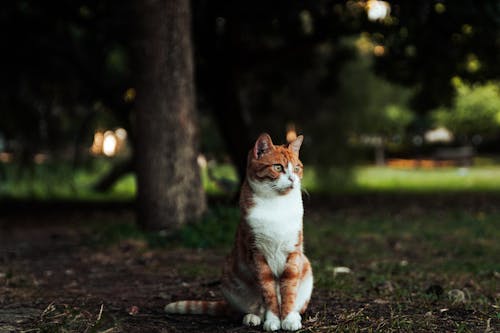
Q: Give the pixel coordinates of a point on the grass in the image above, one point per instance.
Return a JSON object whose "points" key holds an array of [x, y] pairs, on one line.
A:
{"points": [[412, 263], [215, 230], [421, 180], [384, 179], [381, 244], [60, 181], [406, 268], [382, 247]]}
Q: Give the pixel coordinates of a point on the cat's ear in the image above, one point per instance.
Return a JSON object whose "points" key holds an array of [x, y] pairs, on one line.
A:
{"points": [[263, 145], [295, 145]]}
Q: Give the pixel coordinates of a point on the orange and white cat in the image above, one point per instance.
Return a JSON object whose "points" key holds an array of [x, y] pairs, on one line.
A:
{"points": [[266, 277]]}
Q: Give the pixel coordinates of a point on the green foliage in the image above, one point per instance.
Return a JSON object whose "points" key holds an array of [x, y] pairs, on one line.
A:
{"points": [[374, 106], [361, 104], [475, 110], [396, 118]]}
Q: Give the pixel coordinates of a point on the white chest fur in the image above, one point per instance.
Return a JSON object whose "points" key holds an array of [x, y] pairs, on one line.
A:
{"points": [[276, 222]]}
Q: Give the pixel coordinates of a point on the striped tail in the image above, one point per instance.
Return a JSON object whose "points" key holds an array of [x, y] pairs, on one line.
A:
{"points": [[213, 308]]}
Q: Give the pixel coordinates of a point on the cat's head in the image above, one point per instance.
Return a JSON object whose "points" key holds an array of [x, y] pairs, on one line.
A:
{"points": [[274, 170]]}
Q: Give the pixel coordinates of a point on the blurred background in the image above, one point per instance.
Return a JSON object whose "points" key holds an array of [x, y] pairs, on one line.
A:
{"points": [[123, 121], [391, 96], [400, 95]]}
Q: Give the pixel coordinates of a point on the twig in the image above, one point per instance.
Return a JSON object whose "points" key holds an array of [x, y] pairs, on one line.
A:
{"points": [[488, 326], [109, 330], [100, 313], [48, 309]]}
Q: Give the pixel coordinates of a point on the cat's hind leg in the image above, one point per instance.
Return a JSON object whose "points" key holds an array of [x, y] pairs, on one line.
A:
{"points": [[251, 320], [254, 312], [246, 301]]}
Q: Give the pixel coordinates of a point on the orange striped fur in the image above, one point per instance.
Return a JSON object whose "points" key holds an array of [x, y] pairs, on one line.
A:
{"points": [[266, 277], [198, 307]]}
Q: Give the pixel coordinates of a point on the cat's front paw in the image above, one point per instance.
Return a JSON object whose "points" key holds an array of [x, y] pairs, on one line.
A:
{"points": [[272, 322], [292, 322]]}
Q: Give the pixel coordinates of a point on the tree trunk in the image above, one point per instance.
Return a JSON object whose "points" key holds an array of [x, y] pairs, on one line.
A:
{"points": [[170, 192]]}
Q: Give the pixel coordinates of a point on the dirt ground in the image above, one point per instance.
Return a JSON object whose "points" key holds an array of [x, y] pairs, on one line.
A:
{"points": [[53, 280], [49, 282]]}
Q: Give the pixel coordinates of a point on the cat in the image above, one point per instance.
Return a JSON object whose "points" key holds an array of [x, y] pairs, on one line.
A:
{"points": [[266, 277]]}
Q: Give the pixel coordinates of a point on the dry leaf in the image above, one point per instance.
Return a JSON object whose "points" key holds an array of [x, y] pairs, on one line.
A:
{"points": [[133, 310]]}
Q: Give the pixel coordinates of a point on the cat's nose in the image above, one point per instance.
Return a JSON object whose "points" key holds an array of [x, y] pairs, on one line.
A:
{"points": [[290, 178]]}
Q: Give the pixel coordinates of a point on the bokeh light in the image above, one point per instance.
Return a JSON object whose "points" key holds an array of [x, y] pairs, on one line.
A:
{"points": [[377, 10]]}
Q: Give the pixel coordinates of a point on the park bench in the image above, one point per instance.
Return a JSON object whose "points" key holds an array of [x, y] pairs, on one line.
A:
{"points": [[461, 156]]}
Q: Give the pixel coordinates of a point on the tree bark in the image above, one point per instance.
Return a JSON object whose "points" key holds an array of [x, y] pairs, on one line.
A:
{"points": [[170, 192]]}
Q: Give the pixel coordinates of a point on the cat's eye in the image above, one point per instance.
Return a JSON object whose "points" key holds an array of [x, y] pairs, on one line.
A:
{"points": [[278, 167], [296, 168]]}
